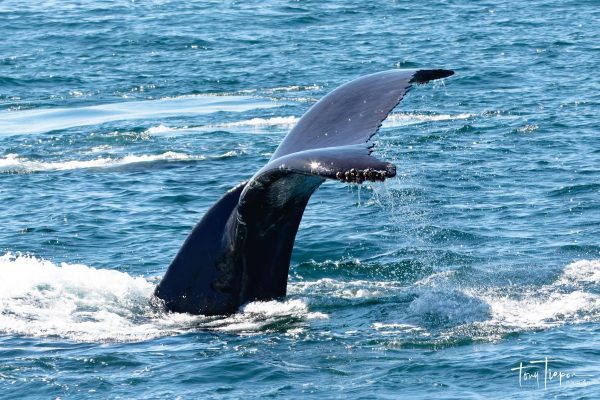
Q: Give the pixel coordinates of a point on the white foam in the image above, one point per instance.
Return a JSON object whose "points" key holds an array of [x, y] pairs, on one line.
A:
{"points": [[98, 149], [396, 328], [78, 302], [39, 298], [9, 161], [528, 128], [539, 309], [342, 289], [254, 123], [255, 316], [231, 153], [439, 301], [154, 130], [15, 163], [563, 301]]}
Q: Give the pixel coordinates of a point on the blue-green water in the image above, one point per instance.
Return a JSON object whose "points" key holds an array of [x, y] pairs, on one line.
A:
{"points": [[122, 122]]}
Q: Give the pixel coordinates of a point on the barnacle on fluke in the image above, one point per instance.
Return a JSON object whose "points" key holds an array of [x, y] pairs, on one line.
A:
{"points": [[368, 174]]}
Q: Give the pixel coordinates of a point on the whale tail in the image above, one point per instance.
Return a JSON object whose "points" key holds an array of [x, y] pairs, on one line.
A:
{"points": [[240, 250]]}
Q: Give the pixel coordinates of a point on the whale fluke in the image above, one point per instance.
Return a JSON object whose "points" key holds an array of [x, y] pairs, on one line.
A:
{"points": [[353, 113], [240, 250]]}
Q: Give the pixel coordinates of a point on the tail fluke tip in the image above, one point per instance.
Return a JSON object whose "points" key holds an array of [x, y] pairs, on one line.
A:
{"points": [[426, 75]]}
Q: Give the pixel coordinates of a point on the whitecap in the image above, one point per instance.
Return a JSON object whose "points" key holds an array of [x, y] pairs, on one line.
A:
{"points": [[154, 130], [12, 163]]}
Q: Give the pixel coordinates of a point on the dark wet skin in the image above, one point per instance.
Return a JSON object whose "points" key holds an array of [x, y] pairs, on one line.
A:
{"points": [[240, 250]]}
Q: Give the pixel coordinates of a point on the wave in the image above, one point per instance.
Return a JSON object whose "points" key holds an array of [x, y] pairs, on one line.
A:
{"points": [[13, 163], [41, 299], [573, 190], [294, 88], [50, 119]]}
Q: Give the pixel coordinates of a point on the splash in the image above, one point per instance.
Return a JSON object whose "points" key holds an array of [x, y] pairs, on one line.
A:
{"points": [[348, 290], [569, 299], [259, 315], [442, 305], [496, 311], [41, 299]]}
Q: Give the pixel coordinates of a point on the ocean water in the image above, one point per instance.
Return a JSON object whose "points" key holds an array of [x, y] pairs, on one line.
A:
{"points": [[474, 273]]}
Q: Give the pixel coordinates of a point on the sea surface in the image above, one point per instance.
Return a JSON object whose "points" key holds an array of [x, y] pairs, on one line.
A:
{"points": [[474, 274]]}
